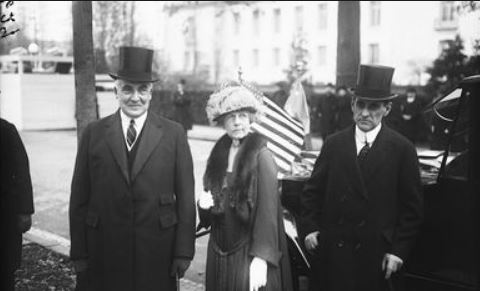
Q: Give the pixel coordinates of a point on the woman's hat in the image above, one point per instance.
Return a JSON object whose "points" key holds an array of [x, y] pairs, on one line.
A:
{"points": [[374, 82], [232, 97], [135, 65]]}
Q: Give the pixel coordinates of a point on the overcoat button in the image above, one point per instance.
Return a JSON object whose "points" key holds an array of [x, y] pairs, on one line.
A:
{"points": [[343, 199], [340, 221], [357, 246], [361, 223], [340, 244]]}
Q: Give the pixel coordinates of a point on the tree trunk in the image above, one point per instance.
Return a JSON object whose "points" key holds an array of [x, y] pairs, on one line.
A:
{"points": [[348, 43], [84, 65]]}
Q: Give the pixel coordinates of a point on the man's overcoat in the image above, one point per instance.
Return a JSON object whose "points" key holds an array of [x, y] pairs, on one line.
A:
{"points": [[131, 223], [362, 213]]}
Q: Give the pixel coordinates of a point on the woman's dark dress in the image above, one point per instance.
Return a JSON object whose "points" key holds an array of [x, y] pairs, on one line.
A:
{"points": [[234, 242]]}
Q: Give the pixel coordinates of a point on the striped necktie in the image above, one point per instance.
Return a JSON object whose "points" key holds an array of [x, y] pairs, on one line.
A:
{"points": [[131, 133], [363, 153]]}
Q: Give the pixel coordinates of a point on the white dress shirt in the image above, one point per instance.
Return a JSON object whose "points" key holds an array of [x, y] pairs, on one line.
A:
{"points": [[139, 122], [361, 137]]}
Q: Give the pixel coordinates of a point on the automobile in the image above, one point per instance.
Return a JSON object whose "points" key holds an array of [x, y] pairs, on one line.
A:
{"points": [[446, 255]]}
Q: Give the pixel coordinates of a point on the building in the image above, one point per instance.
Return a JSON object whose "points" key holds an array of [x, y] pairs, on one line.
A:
{"points": [[216, 38]]}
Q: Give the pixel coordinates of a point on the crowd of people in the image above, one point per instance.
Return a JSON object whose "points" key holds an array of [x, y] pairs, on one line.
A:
{"points": [[132, 209]]}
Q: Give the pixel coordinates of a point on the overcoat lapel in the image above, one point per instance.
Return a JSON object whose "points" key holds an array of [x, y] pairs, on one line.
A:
{"points": [[116, 143], [377, 154], [351, 157], [150, 139]]}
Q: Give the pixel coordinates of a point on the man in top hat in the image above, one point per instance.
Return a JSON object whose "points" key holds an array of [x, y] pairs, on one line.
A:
{"points": [[362, 206], [132, 210]]}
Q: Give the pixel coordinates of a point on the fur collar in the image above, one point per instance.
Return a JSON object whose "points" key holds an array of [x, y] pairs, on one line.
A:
{"points": [[244, 170]]}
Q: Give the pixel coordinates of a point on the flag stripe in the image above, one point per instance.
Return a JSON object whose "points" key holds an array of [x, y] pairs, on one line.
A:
{"points": [[298, 139], [278, 150], [273, 136], [274, 107], [285, 122]]}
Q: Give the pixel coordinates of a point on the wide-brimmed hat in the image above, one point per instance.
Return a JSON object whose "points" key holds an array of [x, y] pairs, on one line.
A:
{"points": [[232, 97], [135, 65], [374, 82]]}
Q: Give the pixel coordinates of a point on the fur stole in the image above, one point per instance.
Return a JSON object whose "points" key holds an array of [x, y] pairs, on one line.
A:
{"points": [[243, 189]]}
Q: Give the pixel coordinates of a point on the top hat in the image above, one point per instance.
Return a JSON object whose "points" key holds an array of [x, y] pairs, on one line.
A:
{"points": [[373, 83], [135, 65]]}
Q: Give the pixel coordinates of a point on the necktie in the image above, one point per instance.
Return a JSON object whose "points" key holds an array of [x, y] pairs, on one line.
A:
{"points": [[363, 153], [131, 133]]}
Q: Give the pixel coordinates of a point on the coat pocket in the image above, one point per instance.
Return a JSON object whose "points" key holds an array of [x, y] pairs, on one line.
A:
{"points": [[168, 213], [92, 220]]}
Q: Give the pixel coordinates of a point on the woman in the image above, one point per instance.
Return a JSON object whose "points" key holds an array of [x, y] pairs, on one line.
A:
{"points": [[247, 249]]}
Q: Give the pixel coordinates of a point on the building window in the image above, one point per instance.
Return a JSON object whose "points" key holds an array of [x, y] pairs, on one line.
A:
{"points": [[277, 13], [256, 22], [374, 13], [322, 55], [186, 60], [236, 23], [448, 11], [236, 58], [374, 53], [276, 57], [299, 18], [322, 16], [255, 57]]}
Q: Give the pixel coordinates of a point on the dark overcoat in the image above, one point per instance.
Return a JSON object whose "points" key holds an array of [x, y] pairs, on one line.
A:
{"points": [[362, 214], [130, 224], [16, 194]]}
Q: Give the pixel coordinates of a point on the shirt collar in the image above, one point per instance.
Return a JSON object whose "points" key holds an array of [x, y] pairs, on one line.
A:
{"points": [[139, 121], [369, 136]]}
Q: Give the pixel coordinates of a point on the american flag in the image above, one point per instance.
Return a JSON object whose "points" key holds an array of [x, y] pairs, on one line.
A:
{"points": [[285, 135]]}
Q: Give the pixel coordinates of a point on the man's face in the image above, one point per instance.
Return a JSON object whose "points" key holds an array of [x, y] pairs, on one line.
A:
{"points": [[133, 98], [368, 114]]}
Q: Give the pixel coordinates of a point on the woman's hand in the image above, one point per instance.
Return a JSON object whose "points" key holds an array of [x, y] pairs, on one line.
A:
{"points": [[206, 200], [258, 274]]}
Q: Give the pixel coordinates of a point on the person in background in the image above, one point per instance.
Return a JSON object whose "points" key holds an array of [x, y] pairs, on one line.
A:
{"points": [[247, 249], [181, 102], [326, 111], [343, 113], [16, 201], [410, 111]]}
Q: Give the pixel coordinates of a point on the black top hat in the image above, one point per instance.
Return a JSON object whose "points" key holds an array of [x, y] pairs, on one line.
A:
{"points": [[135, 65], [373, 83]]}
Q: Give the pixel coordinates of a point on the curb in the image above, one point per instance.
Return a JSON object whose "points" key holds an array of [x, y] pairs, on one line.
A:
{"points": [[61, 245]]}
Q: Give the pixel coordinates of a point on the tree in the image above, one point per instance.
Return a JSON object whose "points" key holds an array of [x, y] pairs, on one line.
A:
{"points": [[348, 43], [451, 67], [84, 65], [114, 26]]}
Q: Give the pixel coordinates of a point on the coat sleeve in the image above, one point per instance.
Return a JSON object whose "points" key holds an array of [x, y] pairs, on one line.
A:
{"points": [[21, 175], [184, 190], [410, 211], [265, 244], [313, 195], [79, 200]]}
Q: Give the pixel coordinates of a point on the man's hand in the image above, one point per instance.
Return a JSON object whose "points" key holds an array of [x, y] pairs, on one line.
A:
{"points": [[258, 274], [179, 266], [24, 222], [206, 200], [311, 241], [391, 264]]}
